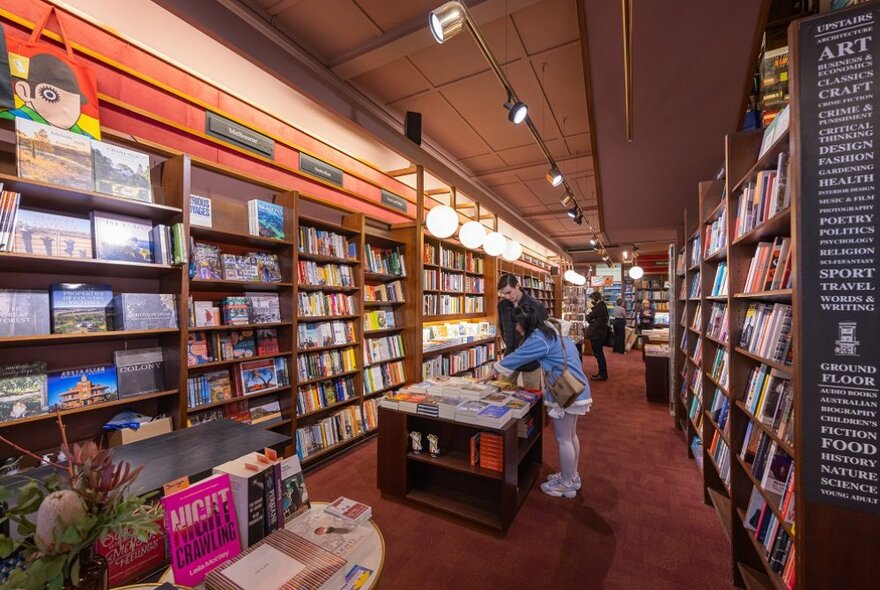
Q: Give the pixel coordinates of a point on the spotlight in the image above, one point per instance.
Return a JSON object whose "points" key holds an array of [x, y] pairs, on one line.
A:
{"points": [[567, 199], [625, 254], [447, 21], [593, 242], [574, 212], [516, 111], [554, 176]]}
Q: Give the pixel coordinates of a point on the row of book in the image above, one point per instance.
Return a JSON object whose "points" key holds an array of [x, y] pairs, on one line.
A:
{"points": [[769, 463], [210, 263], [760, 200], [325, 363], [487, 451], [29, 389], [698, 316], [475, 285], [721, 454], [694, 292], [384, 376], [203, 348], [696, 251], [320, 334], [321, 242], [697, 355], [770, 268], [347, 423], [389, 261], [458, 362], [249, 378], [9, 201], [262, 410], [82, 308], [719, 322], [719, 285], [386, 348], [380, 319], [392, 292], [326, 304], [313, 397], [778, 546], [769, 397], [451, 304], [454, 333], [715, 234], [719, 370], [331, 275], [243, 310], [535, 283], [767, 331], [720, 410]]}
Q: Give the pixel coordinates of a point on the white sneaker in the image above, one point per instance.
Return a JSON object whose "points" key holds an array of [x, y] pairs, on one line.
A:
{"points": [[555, 478], [559, 489]]}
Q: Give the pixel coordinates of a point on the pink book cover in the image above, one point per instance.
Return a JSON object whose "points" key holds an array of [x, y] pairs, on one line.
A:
{"points": [[202, 529]]}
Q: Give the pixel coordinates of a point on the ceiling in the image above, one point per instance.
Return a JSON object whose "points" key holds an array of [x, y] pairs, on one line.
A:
{"points": [[689, 83]]}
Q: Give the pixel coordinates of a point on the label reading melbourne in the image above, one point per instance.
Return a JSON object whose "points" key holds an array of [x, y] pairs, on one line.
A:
{"points": [[239, 135], [320, 169], [393, 201], [837, 249]]}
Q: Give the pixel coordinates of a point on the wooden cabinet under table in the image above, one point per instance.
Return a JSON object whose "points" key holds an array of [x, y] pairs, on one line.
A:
{"points": [[449, 483]]}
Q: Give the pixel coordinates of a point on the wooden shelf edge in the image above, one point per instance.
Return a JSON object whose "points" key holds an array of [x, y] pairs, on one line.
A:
{"points": [[722, 507], [83, 409]]}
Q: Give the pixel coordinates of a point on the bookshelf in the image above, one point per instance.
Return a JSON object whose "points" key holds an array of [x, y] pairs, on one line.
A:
{"points": [[536, 281], [678, 327]]}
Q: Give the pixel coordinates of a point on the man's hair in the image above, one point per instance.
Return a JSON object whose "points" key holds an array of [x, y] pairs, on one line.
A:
{"points": [[533, 318], [620, 301], [507, 280], [46, 68], [596, 296]]}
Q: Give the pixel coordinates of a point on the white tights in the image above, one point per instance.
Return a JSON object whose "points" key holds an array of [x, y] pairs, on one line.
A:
{"points": [[569, 445]]}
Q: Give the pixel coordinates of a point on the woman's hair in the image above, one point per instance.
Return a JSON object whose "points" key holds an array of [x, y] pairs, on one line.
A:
{"points": [[533, 318], [620, 301], [596, 296]]}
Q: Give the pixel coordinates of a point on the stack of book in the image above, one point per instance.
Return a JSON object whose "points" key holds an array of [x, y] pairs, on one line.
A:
{"points": [[761, 200], [326, 243], [770, 268], [392, 291], [266, 219], [387, 261]]}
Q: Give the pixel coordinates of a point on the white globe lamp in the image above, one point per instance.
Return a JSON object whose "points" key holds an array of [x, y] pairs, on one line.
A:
{"points": [[442, 221], [570, 275], [495, 243], [636, 272], [580, 280], [512, 252], [472, 234]]}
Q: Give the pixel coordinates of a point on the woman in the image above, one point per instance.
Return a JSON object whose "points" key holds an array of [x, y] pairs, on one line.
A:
{"points": [[618, 321], [543, 343], [646, 316], [597, 331]]}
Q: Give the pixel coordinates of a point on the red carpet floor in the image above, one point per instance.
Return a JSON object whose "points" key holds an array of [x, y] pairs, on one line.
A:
{"points": [[638, 523]]}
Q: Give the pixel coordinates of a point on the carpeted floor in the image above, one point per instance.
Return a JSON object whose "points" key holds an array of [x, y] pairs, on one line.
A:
{"points": [[638, 523]]}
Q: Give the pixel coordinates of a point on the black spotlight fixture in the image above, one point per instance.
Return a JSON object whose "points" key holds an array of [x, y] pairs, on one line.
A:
{"points": [[579, 218], [517, 111], [574, 212]]}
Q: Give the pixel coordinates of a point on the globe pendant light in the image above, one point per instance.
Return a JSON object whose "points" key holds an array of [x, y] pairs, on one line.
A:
{"points": [[580, 280], [495, 243], [570, 275], [512, 252], [636, 272], [442, 221], [472, 234]]}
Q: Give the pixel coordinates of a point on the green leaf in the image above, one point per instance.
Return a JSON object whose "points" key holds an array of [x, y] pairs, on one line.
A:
{"points": [[71, 536], [74, 570], [7, 546]]}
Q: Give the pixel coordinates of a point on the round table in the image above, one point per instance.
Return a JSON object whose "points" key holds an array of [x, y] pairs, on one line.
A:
{"points": [[373, 557]]}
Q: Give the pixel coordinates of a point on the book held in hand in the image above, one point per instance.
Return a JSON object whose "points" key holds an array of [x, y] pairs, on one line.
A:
{"points": [[79, 308], [22, 390], [23, 313], [121, 172], [349, 510], [56, 156], [50, 234]]}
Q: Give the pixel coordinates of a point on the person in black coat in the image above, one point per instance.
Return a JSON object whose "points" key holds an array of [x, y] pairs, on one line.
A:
{"points": [[597, 331]]}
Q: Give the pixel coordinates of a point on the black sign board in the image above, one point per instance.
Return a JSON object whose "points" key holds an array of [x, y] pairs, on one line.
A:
{"points": [[320, 169], [238, 135], [837, 249], [394, 201]]}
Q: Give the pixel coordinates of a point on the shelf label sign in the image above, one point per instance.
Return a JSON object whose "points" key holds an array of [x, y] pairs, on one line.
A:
{"points": [[320, 169], [837, 247], [239, 135], [393, 201]]}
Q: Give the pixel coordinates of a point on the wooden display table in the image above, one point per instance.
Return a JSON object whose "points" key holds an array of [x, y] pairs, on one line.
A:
{"points": [[656, 357], [449, 483], [371, 555]]}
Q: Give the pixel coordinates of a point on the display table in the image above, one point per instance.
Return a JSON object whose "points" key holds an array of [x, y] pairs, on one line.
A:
{"points": [[449, 483], [371, 555], [656, 358]]}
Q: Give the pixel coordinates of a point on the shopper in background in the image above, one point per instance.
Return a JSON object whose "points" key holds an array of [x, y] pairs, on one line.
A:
{"points": [[646, 316], [542, 344], [618, 321], [597, 331], [512, 296]]}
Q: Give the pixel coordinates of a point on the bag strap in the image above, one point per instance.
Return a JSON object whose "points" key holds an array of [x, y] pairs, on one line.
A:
{"points": [[558, 327], [38, 30]]}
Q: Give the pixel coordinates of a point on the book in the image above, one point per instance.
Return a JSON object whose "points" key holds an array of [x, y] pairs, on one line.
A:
{"points": [[263, 308], [23, 390], [9, 211], [266, 219], [340, 538], [23, 312], [247, 481], [349, 510], [283, 560], [121, 172], [131, 558], [79, 308], [356, 577], [50, 234], [139, 371], [205, 313], [144, 311], [206, 262], [200, 213], [219, 385], [122, 238], [202, 528], [198, 351], [264, 410], [56, 156], [294, 495], [257, 376], [88, 386]]}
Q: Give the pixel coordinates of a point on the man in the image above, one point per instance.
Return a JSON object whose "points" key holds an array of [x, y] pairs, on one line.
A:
{"points": [[512, 296], [597, 330], [618, 319]]}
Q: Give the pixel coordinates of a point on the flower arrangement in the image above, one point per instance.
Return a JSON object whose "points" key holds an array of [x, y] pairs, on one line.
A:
{"points": [[59, 519]]}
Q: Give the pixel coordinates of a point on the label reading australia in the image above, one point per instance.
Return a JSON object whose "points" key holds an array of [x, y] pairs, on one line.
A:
{"points": [[239, 135], [394, 201], [837, 245], [320, 169]]}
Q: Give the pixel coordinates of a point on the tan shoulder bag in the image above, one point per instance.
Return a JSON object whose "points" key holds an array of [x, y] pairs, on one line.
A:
{"points": [[565, 387]]}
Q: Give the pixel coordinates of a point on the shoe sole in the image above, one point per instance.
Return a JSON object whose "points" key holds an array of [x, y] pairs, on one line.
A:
{"points": [[560, 494], [577, 486]]}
